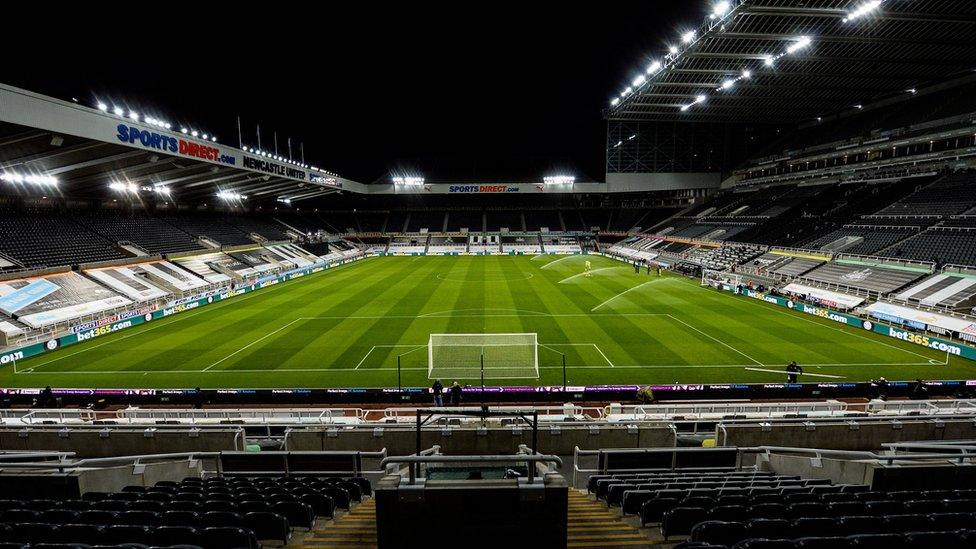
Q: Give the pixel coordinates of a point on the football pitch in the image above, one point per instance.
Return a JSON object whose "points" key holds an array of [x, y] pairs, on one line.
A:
{"points": [[346, 327]]}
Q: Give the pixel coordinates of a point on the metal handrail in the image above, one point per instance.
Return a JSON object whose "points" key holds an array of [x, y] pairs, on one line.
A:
{"points": [[419, 460]]}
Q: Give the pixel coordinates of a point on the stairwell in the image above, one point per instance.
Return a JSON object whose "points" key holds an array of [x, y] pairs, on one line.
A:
{"points": [[353, 530], [593, 524]]}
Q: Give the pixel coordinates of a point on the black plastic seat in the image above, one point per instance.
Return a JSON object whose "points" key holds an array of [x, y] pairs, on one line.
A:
{"points": [[32, 532], [75, 505], [811, 526], [321, 504], [224, 537], [96, 516], [111, 505], [941, 540], [769, 528], [124, 533], [266, 525], [40, 504], [679, 521], [148, 505], [952, 521], [907, 523], [184, 505], [877, 541], [653, 510], [924, 507], [219, 505], [860, 525], [221, 519], [728, 513], [719, 532], [138, 518], [883, 508], [58, 516], [19, 515], [832, 542], [846, 509], [179, 518], [90, 534], [762, 543], [768, 510], [177, 535], [339, 495], [299, 515]]}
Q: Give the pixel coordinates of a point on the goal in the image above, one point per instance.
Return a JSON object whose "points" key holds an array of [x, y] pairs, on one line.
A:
{"points": [[496, 356], [720, 279]]}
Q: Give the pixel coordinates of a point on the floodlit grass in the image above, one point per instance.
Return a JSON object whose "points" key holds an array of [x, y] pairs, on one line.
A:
{"points": [[346, 327]]}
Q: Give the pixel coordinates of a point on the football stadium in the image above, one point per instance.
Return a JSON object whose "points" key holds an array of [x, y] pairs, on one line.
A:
{"points": [[245, 309]]}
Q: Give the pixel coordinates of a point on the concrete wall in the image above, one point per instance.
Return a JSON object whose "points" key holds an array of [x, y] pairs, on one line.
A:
{"points": [[456, 441], [842, 436], [117, 442]]}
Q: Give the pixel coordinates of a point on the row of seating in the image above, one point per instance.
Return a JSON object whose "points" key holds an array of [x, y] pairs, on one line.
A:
{"points": [[634, 502], [594, 483], [79, 534], [615, 492], [897, 531], [681, 520]]}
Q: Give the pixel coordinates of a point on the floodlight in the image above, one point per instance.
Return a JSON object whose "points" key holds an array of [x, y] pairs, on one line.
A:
{"points": [[687, 37], [700, 99], [728, 84], [134, 115], [720, 9], [863, 10], [747, 74], [118, 111], [799, 44], [194, 133], [102, 107], [673, 49], [654, 67], [769, 61]]}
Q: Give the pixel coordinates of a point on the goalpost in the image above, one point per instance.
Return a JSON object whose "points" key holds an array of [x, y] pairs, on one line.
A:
{"points": [[717, 279], [493, 356]]}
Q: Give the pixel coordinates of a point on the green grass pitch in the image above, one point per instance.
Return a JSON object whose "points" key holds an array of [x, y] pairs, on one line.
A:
{"points": [[345, 327]]}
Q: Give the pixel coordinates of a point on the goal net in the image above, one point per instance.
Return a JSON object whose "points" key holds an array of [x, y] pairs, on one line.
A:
{"points": [[502, 356], [720, 279]]}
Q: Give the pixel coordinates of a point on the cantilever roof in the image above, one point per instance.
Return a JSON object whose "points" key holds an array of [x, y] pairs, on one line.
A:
{"points": [[897, 47]]}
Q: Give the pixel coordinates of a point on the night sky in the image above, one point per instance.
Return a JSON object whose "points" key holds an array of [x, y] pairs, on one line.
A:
{"points": [[462, 92]]}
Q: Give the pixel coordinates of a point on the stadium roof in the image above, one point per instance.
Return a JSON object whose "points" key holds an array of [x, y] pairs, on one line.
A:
{"points": [[789, 61], [96, 150]]}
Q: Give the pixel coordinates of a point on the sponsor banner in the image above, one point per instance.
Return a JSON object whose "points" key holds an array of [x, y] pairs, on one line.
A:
{"points": [[921, 319], [54, 316], [31, 293], [825, 297], [262, 164], [166, 142], [924, 340], [128, 319]]}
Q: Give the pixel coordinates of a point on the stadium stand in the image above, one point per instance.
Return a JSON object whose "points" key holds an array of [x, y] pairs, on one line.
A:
{"points": [[947, 289], [38, 238], [496, 220], [208, 226], [140, 228], [859, 275]]}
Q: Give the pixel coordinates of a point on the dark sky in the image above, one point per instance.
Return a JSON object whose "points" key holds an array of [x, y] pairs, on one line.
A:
{"points": [[460, 91]]}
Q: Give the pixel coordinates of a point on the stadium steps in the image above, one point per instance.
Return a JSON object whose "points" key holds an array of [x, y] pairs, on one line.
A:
{"points": [[592, 524], [353, 530]]}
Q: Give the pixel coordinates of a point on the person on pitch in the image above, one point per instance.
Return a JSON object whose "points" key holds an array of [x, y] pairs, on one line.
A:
{"points": [[648, 268], [636, 267], [792, 371], [587, 267], [455, 393]]}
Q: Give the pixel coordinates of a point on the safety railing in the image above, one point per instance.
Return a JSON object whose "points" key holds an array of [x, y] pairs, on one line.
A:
{"points": [[718, 409], [319, 416], [61, 462], [415, 462], [943, 455]]}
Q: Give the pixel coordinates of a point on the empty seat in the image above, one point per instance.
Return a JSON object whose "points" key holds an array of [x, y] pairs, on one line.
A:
{"points": [[821, 543], [266, 525], [119, 534], [237, 538], [57, 516], [860, 525], [221, 518], [769, 528], [298, 514], [97, 517], [907, 523], [177, 535], [719, 532], [79, 533], [680, 520], [877, 541], [940, 540]]}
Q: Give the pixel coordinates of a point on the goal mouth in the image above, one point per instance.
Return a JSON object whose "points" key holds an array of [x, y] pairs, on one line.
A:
{"points": [[483, 356]]}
